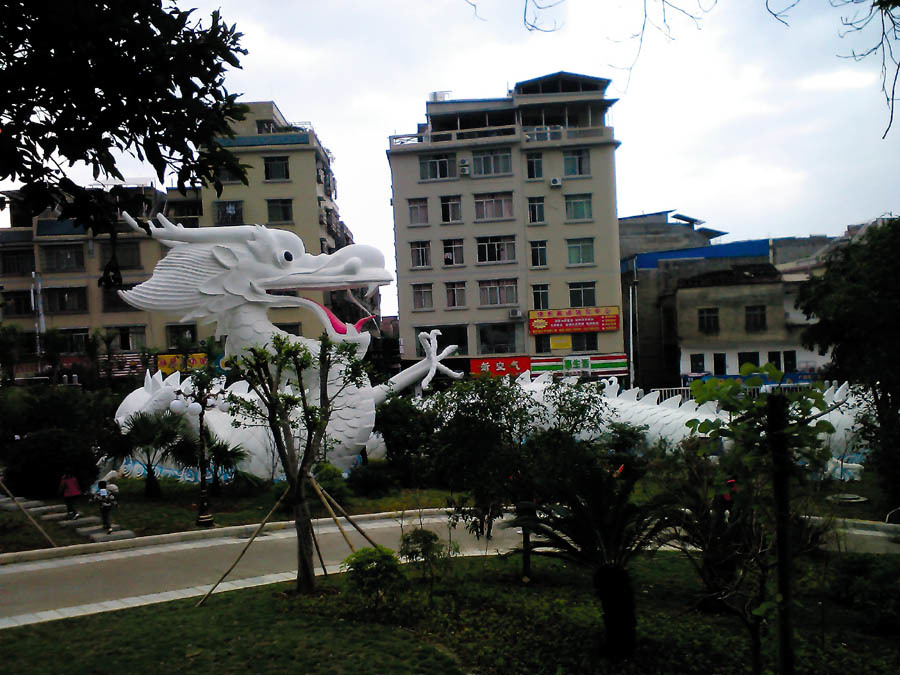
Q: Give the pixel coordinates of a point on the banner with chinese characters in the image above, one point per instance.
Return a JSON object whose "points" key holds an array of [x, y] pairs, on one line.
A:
{"points": [[598, 365], [500, 365], [573, 320], [169, 363]]}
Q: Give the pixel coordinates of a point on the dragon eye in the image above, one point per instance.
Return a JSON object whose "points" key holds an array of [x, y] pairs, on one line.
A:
{"points": [[288, 256]]}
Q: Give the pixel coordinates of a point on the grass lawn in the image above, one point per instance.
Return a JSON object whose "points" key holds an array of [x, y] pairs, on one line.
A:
{"points": [[480, 619]]}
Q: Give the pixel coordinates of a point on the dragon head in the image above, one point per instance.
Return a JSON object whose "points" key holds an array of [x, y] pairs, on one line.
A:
{"points": [[211, 270]]}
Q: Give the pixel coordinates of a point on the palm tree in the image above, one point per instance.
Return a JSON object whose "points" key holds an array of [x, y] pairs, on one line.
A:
{"points": [[151, 437], [222, 455], [586, 515]]}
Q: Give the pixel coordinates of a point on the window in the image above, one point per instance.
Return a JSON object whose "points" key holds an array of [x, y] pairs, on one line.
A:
{"points": [[276, 168], [418, 211], [128, 253], [748, 357], [535, 209], [581, 294], [450, 335], [17, 303], [584, 342], [226, 175], [265, 126], [498, 338], [280, 210], [113, 302], [434, 167], [65, 300], [576, 163], [493, 205], [496, 249], [775, 359], [451, 209], [177, 332], [453, 252], [581, 251], [421, 253], [488, 162], [422, 298], [229, 213], [708, 320], [456, 293], [17, 262], [540, 296], [719, 367], [790, 361], [578, 207], [129, 338], [538, 253], [698, 363], [63, 258], [535, 164], [74, 340], [498, 292], [295, 328], [542, 344], [755, 318]]}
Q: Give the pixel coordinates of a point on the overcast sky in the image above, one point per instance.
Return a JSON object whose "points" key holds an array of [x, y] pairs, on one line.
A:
{"points": [[758, 129]]}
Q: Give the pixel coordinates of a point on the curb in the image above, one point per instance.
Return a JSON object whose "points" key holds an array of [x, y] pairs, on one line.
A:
{"points": [[238, 531], [855, 524]]}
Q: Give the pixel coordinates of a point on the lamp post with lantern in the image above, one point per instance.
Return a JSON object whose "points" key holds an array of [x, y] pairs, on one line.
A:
{"points": [[203, 393]]}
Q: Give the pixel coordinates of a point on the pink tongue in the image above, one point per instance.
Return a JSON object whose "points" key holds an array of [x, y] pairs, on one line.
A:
{"points": [[338, 325]]}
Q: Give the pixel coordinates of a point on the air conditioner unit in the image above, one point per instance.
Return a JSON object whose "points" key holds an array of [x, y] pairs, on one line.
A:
{"points": [[463, 171], [463, 161], [515, 314], [556, 182]]}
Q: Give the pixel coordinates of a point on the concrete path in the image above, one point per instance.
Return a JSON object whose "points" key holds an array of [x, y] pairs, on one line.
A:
{"points": [[49, 589]]}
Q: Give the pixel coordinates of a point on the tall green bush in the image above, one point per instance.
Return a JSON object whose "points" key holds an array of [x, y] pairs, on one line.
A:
{"points": [[35, 463]]}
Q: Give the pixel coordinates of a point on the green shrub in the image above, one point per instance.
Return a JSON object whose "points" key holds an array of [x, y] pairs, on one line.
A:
{"points": [[331, 479], [374, 574], [871, 584], [245, 485], [35, 463], [374, 479]]}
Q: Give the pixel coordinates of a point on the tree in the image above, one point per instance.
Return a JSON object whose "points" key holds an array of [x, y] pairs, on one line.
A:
{"points": [[53, 343], [10, 352], [150, 438], [296, 392], [84, 82], [856, 304], [774, 439], [585, 513]]}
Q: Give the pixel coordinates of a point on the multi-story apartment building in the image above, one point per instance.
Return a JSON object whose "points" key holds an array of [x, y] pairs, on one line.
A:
{"points": [[290, 186], [506, 232]]}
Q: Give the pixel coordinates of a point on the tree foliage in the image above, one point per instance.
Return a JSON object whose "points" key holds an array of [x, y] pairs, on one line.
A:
{"points": [[296, 393], [856, 304], [86, 82], [150, 438]]}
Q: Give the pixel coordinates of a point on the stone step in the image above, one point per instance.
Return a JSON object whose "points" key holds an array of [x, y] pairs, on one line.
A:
{"points": [[4, 500], [84, 521], [115, 536], [95, 529], [9, 506], [49, 508], [58, 515]]}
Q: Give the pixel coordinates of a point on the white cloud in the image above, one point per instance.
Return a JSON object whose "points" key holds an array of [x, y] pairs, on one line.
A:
{"points": [[842, 79]]}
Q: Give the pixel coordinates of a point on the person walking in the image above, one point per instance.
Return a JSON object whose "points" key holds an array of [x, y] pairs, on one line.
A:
{"points": [[106, 500], [70, 490]]}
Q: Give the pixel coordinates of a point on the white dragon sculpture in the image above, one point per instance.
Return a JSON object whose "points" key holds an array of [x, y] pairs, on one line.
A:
{"points": [[226, 276]]}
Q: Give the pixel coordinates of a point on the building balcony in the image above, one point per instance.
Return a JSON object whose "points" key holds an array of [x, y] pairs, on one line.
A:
{"points": [[529, 135]]}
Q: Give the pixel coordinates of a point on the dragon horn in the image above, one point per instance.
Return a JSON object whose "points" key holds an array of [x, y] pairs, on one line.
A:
{"points": [[167, 231]]}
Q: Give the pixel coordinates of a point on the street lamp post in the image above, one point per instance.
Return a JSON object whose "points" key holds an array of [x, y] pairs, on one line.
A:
{"points": [[204, 394]]}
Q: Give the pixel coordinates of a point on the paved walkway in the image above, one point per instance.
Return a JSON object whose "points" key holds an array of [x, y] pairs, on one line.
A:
{"points": [[46, 590]]}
